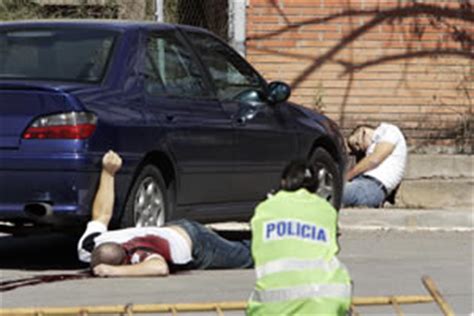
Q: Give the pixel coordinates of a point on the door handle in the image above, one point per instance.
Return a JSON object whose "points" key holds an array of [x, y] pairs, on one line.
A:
{"points": [[241, 121]]}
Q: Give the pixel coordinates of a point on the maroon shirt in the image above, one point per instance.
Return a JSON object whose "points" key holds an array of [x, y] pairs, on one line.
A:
{"points": [[140, 248]]}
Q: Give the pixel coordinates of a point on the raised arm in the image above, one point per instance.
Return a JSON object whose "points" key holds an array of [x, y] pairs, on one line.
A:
{"points": [[103, 205]]}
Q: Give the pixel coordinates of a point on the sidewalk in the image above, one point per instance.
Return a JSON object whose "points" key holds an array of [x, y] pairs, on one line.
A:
{"points": [[406, 219], [452, 220], [436, 194]]}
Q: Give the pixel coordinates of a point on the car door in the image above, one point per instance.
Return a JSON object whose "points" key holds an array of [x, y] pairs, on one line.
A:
{"points": [[264, 143], [198, 133]]}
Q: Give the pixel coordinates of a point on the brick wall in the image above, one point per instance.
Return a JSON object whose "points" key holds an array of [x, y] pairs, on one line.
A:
{"points": [[374, 60]]}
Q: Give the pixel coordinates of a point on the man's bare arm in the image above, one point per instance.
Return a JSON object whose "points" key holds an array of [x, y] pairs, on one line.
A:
{"points": [[151, 267], [381, 152], [103, 205]]}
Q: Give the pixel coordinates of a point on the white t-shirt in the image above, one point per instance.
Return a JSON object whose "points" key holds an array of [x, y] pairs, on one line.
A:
{"points": [[180, 250], [390, 171]]}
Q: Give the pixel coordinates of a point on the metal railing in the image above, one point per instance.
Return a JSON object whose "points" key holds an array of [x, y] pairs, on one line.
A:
{"points": [[220, 307]]}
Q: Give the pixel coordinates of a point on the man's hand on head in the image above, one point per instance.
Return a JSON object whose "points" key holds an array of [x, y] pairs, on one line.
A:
{"points": [[111, 162]]}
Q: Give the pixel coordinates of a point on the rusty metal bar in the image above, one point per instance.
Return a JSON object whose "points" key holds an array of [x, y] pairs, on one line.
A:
{"points": [[354, 312], [438, 298], [191, 307], [128, 310], [219, 311], [173, 310], [396, 306], [386, 300]]}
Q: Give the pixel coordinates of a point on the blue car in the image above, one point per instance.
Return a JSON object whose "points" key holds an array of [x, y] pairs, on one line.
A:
{"points": [[201, 133]]}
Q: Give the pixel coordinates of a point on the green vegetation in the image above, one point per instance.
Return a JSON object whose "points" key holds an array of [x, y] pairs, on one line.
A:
{"points": [[19, 10], [30, 9]]}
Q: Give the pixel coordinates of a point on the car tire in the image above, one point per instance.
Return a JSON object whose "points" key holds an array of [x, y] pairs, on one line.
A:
{"points": [[148, 201], [329, 176]]}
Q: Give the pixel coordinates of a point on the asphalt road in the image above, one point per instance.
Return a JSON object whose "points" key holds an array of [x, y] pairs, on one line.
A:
{"points": [[380, 262]]}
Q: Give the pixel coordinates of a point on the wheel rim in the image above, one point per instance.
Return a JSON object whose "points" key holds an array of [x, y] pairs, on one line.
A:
{"points": [[149, 205], [326, 184]]}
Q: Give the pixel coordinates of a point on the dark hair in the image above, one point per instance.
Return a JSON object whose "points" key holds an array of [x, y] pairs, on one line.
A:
{"points": [[356, 129], [109, 253], [298, 174], [357, 152]]}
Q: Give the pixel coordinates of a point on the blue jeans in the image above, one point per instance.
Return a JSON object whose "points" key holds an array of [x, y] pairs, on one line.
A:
{"points": [[362, 191], [211, 251]]}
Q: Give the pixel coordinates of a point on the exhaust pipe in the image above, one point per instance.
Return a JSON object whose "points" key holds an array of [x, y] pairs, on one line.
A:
{"points": [[38, 209]]}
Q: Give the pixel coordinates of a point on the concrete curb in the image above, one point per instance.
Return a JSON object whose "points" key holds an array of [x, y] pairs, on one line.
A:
{"points": [[437, 182], [406, 219], [366, 219]]}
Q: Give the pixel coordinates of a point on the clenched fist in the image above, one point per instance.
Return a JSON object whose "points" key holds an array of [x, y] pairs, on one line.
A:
{"points": [[111, 162]]}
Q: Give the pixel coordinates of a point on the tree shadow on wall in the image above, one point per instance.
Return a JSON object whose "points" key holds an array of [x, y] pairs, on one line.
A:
{"points": [[455, 22]]}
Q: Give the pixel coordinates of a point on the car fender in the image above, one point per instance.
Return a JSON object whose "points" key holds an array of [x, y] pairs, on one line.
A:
{"points": [[317, 130]]}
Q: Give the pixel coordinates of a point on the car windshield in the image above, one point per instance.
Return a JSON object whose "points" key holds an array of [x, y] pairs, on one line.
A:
{"points": [[60, 54]]}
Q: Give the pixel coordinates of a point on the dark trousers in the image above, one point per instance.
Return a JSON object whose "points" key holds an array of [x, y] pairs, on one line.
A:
{"points": [[211, 251]]}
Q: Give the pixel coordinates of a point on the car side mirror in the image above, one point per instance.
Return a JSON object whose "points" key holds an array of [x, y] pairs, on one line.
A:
{"points": [[278, 92], [251, 97], [252, 102]]}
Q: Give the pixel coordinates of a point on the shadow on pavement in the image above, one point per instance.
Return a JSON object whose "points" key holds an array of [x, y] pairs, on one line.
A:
{"points": [[52, 251]]}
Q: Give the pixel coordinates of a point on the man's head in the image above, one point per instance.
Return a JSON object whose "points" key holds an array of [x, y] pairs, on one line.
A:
{"points": [[298, 175], [109, 253], [360, 138]]}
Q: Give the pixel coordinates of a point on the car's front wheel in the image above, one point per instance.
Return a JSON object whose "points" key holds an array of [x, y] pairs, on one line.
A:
{"points": [[147, 203], [329, 177]]}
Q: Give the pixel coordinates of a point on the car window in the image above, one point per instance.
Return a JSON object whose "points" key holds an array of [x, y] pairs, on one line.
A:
{"points": [[230, 73], [60, 54], [170, 68]]}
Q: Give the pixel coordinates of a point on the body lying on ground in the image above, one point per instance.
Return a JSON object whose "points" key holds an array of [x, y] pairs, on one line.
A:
{"points": [[151, 251]]}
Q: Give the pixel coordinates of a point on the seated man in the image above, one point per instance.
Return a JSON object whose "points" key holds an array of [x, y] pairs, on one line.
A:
{"points": [[151, 251], [380, 170]]}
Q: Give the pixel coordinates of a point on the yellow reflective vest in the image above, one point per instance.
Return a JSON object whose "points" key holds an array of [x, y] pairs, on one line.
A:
{"points": [[294, 249]]}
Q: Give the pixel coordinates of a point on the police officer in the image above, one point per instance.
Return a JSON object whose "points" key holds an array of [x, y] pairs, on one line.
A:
{"points": [[294, 248]]}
